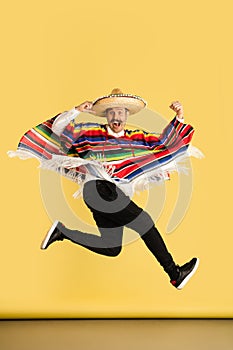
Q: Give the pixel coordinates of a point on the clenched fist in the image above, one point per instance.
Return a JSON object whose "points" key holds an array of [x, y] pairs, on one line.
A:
{"points": [[177, 107], [86, 107]]}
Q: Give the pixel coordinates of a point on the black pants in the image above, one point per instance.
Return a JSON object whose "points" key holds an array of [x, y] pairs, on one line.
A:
{"points": [[112, 210]]}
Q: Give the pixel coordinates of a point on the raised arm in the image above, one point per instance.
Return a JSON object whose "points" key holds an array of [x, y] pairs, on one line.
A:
{"points": [[175, 134], [66, 117]]}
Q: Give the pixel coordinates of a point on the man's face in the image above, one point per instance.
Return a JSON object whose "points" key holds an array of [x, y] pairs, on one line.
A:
{"points": [[116, 118]]}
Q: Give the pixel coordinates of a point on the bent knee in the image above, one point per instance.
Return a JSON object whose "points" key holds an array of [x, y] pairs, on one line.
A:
{"points": [[113, 252], [142, 223]]}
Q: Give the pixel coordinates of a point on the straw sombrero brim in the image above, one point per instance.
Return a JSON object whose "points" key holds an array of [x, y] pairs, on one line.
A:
{"points": [[132, 102]]}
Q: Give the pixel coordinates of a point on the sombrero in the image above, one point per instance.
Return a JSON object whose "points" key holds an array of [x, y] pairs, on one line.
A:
{"points": [[117, 98]]}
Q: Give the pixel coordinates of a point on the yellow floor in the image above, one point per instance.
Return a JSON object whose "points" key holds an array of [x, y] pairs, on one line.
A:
{"points": [[116, 334]]}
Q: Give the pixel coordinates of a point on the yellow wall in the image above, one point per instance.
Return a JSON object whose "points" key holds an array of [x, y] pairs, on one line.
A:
{"points": [[56, 54]]}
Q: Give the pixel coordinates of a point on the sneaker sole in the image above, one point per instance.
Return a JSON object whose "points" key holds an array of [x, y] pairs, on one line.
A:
{"points": [[48, 235], [187, 278]]}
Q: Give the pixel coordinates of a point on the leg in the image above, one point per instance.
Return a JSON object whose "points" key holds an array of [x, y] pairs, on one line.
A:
{"points": [[109, 243], [111, 220], [124, 212], [144, 226]]}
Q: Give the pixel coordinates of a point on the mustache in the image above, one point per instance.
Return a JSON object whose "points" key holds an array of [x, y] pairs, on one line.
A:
{"points": [[116, 120]]}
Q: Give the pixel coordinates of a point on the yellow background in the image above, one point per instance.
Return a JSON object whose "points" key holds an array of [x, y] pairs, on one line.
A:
{"points": [[57, 54]]}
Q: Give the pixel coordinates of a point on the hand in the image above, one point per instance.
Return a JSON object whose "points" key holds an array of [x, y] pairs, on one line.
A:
{"points": [[177, 107], [86, 107]]}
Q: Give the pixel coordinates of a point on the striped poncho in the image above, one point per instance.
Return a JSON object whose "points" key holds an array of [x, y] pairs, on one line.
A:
{"points": [[86, 150]]}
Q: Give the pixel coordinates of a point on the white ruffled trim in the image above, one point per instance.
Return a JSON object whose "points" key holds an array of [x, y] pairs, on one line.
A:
{"points": [[98, 169], [22, 154], [193, 151]]}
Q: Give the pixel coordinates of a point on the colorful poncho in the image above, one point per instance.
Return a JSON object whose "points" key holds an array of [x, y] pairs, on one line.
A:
{"points": [[85, 151]]}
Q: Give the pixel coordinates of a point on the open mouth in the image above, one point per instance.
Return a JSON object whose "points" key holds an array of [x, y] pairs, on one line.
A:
{"points": [[116, 124]]}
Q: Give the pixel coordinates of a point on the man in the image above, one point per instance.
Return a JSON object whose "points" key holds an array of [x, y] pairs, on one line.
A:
{"points": [[112, 161]]}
